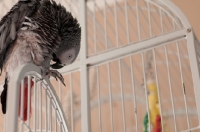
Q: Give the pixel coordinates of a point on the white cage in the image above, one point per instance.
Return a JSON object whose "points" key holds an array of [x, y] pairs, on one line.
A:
{"points": [[137, 58]]}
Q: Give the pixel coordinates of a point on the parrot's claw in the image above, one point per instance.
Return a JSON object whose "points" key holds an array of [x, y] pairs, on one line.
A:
{"points": [[44, 72], [56, 75]]}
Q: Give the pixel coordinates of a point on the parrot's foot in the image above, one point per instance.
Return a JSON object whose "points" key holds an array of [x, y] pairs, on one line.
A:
{"points": [[56, 74], [44, 72]]}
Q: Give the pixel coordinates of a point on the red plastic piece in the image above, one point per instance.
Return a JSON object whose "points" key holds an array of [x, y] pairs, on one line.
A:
{"points": [[25, 107], [158, 124]]}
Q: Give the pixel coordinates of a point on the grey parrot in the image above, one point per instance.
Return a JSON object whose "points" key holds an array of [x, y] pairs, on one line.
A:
{"points": [[37, 31]]}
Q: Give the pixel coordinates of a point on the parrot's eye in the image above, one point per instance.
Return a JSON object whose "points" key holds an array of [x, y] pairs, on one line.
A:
{"points": [[70, 56]]}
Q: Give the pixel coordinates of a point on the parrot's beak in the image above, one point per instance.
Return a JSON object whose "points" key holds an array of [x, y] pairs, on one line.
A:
{"points": [[57, 65]]}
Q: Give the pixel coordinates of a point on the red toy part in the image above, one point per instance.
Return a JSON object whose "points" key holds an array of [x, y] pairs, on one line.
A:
{"points": [[25, 107], [158, 124]]}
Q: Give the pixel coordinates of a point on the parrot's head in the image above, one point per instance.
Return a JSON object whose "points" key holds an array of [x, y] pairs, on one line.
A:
{"points": [[70, 34]]}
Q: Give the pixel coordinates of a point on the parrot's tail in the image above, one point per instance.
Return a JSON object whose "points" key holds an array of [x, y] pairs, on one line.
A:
{"points": [[25, 104]]}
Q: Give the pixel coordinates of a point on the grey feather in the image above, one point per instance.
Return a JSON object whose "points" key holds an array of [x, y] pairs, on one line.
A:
{"points": [[13, 19], [13, 31]]}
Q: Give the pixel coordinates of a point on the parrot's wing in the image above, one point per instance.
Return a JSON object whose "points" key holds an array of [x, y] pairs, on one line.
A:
{"points": [[11, 23]]}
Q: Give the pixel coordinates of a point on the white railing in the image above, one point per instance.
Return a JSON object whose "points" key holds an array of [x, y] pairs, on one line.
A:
{"points": [[44, 95]]}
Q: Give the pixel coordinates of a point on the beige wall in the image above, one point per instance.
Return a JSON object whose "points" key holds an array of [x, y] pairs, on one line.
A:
{"points": [[191, 8]]}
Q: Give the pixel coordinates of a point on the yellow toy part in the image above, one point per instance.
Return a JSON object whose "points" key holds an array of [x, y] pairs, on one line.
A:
{"points": [[153, 102]]}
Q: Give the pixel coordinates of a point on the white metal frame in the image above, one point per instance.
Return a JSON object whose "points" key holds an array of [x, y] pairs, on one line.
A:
{"points": [[13, 97]]}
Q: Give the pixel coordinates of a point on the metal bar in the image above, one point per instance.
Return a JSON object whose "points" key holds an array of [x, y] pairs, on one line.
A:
{"points": [[83, 23], [40, 107], [72, 103], [85, 101], [134, 94], [99, 102], [35, 101], [85, 94], [127, 21], [46, 112], [105, 25], [138, 20], [94, 24], [161, 21], [138, 47], [122, 95], [183, 86], [116, 23], [110, 96], [29, 100], [56, 127], [22, 106], [145, 87], [170, 87], [182, 81], [149, 15], [158, 88], [50, 114], [4, 128], [127, 50]]}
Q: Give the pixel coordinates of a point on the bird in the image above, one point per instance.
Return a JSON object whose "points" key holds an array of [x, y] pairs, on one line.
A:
{"points": [[38, 32]]}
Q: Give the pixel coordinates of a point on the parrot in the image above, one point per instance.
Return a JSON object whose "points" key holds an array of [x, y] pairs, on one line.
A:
{"points": [[38, 32]]}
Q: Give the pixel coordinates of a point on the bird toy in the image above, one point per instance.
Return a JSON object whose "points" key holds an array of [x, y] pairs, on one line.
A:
{"points": [[155, 119]]}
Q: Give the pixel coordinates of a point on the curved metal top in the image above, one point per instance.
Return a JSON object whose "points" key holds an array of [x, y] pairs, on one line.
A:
{"points": [[175, 10], [13, 95]]}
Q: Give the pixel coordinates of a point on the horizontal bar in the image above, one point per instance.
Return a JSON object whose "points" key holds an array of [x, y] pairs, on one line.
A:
{"points": [[128, 49], [192, 129]]}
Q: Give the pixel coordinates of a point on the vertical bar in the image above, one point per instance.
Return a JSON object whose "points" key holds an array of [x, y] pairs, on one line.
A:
{"points": [[99, 103], [50, 114], [94, 23], [4, 128], [138, 20], [40, 107], [127, 21], [170, 87], [183, 88], [116, 24], [145, 87], [29, 99], [105, 24], [35, 101], [134, 94], [85, 94], [161, 21], [12, 102], [85, 101], [182, 80], [149, 15], [56, 127], [21, 103], [72, 103], [158, 88], [46, 112], [122, 95], [60, 90], [110, 95], [83, 23]]}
